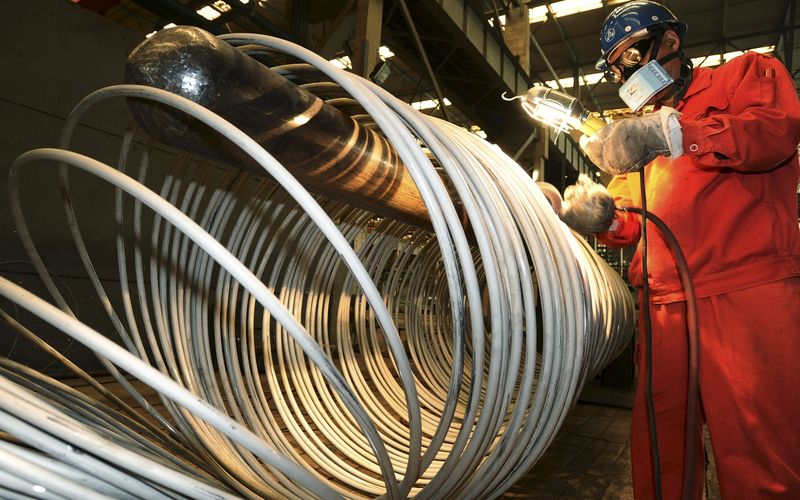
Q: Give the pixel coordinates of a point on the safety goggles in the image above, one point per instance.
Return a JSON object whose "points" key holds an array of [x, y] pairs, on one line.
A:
{"points": [[630, 59]]}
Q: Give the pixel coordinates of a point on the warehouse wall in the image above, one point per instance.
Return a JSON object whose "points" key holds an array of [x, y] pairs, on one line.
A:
{"points": [[55, 53]]}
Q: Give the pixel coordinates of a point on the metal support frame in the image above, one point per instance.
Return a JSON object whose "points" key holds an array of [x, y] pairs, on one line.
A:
{"points": [[788, 45], [424, 57], [546, 62], [723, 43], [729, 40], [470, 20], [517, 35], [525, 144], [574, 56], [785, 46], [267, 26], [298, 27], [367, 41], [341, 29], [182, 14], [179, 14], [420, 80], [566, 145]]}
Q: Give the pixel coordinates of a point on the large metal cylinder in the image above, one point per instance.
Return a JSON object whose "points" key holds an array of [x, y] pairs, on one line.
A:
{"points": [[325, 149]]}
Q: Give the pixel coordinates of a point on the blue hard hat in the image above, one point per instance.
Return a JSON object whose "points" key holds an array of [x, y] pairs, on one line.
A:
{"points": [[630, 18]]}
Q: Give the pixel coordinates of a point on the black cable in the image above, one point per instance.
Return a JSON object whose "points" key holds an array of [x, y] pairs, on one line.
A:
{"points": [[648, 361], [692, 382]]}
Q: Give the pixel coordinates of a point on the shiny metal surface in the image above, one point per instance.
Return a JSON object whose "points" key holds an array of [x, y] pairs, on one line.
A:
{"points": [[325, 148], [303, 347]]}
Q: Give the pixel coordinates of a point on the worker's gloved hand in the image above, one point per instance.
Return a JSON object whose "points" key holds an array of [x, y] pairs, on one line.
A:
{"points": [[628, 145], [588, 206]]}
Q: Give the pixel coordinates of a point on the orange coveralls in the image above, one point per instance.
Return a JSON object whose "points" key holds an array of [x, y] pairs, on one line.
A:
{"points": [[731, 201]]}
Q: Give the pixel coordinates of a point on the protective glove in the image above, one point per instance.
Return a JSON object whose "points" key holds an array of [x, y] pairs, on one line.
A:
{"points": [[628, 145], [588, 207]]}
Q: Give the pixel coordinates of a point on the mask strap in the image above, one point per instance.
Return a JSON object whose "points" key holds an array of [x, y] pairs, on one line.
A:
{"points": [[656, 45], [683, 81], [667, 58]]}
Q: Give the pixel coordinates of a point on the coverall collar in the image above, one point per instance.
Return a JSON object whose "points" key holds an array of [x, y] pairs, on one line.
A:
{"points": [[701, 79]]}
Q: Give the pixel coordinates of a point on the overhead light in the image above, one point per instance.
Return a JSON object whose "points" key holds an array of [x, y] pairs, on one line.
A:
{"points": [[592, 78], [222, 6], [568, 82], [537, 14], [244, 1], [717, 59], [385, 52], [342, 62], [569, 7], [563, 8], [170, 25], [209, 12], [429, 104], [502, 19], [704, 62]]}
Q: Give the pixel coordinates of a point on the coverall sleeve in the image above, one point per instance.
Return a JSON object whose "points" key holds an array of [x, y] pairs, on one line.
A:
{"points": [[627, 230], [761, 128]]}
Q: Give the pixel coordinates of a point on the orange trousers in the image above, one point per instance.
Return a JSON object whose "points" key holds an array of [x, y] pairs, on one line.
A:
{"points": [[749, 394]]}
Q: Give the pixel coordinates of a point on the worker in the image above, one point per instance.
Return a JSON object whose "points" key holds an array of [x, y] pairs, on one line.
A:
{"points": [[719, 157]]}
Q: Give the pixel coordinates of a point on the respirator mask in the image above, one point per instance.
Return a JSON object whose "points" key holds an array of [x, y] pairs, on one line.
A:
{"points": [[642, 82]]}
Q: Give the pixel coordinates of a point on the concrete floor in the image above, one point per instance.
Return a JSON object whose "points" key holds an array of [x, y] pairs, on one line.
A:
{"points": [[590, 459]]}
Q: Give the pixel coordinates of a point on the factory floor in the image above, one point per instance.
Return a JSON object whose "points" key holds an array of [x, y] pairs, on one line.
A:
{"points": [[590, 459]]}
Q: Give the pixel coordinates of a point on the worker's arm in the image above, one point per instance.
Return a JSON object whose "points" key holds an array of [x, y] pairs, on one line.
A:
{"points": [[761, 136], [626, 229], [629, 144]]}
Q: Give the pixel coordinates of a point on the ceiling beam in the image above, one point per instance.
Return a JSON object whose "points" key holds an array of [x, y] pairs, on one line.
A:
{"points": [[367, 40], [712, 41], [787, 37], [178, 13], [723, 44], [341, 29], [576, 82], [424, 56]]}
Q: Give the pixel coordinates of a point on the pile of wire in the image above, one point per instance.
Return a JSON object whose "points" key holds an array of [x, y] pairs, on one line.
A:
{"points": [[300, 347]]}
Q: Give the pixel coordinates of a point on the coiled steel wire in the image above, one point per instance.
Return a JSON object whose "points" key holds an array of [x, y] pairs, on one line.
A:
{"points": [[304, 347]]}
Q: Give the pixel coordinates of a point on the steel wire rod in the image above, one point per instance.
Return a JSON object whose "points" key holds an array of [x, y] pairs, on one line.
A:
{"points": [[298, 346]]}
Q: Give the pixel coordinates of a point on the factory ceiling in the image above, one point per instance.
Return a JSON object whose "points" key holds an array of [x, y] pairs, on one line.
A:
{"points": [[468, 62]]}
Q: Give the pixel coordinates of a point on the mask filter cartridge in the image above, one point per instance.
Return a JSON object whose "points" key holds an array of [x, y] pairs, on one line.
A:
{"points": [[648, 81]]}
